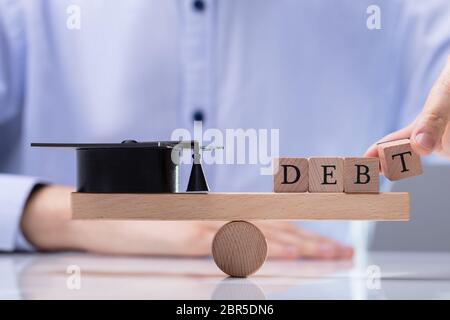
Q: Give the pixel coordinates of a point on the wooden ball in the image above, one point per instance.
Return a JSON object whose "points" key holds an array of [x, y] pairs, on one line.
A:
{"points": [[239, 248]]}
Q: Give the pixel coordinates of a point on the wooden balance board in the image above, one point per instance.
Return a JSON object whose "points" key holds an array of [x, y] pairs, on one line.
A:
{"points": [[239, 248], [391, 206]]}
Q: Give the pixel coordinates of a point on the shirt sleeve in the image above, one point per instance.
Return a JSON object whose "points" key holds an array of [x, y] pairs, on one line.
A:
{"points": [[14, 190], [12, 58]]}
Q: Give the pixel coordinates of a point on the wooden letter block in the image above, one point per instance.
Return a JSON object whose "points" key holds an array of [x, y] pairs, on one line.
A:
{"points": [[361, 175], [290, 175], [326, 174], [398, 160]]}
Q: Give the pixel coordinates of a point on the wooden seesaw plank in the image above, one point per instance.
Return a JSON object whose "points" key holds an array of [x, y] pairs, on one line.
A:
{"points": [[241, 206]]}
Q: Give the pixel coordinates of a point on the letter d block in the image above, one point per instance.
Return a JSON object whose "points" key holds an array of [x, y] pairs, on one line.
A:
{"points": [[398, 160], [326, 174], [361, 175], [290, 175]]}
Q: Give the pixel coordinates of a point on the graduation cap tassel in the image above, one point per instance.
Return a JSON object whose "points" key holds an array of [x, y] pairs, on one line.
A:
{"points": [[197, 180]]}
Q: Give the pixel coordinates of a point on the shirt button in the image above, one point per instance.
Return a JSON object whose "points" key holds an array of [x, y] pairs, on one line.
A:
{"points": [[198, 115], [198, 5]]}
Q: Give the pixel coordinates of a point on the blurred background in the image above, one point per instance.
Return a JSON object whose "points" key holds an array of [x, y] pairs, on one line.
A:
{"points": [[429, 225]]}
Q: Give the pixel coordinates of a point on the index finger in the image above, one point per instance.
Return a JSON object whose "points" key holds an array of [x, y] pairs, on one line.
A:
{"points": [[403, 133]]}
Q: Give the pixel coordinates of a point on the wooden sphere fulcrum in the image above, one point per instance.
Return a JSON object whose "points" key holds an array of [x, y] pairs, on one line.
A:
{"points": [[239, 248]]}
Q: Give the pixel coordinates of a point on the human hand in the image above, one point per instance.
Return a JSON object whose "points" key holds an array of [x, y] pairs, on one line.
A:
{"points": [[430, 131], [194, 239], [47, 224], [287, 241]]}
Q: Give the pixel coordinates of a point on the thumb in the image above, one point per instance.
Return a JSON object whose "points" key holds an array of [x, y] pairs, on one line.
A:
{"points": [[427, 133], [431, 123]]}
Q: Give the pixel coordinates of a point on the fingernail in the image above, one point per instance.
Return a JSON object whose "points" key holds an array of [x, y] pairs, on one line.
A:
{"points": [[347, 252], [425, 140]]}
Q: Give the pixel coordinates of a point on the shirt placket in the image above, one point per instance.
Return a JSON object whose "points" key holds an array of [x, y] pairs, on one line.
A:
{"points": [[197, 87]]}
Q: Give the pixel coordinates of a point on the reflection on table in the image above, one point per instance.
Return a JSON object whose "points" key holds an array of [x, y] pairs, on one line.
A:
{"points": [[55, 276]]}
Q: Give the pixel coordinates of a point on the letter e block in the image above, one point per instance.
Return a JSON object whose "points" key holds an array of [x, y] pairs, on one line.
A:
{"points": [[398, 160], [361, 175], [326, 174], [290, 175]]}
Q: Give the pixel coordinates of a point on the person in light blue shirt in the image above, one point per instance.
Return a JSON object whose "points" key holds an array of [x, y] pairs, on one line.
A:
{"points": [[105, 71]]}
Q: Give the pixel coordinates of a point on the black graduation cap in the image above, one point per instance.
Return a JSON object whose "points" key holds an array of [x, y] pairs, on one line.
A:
{"points": [[134, 167]]}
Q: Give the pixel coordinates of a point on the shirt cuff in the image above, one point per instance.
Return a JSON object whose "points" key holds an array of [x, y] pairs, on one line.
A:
{"points": [[15, 191]]}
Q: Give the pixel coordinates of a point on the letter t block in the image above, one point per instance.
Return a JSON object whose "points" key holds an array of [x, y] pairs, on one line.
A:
{"points": [[398, 160], [290, 175]]}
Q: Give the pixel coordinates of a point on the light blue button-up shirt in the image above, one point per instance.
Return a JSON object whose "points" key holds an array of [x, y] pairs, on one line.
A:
{"points": [[138, 69]]}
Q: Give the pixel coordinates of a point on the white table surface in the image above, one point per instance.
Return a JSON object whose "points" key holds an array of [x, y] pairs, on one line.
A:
{"points": [[403, 275]]}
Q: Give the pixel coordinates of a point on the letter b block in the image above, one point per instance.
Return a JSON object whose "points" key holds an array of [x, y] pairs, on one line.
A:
{"points": [[361, 175], [290, 175], [326, 174], [398, 160]]}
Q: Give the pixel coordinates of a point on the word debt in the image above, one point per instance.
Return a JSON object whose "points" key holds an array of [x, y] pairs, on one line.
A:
{"points": [[351, 175]]}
